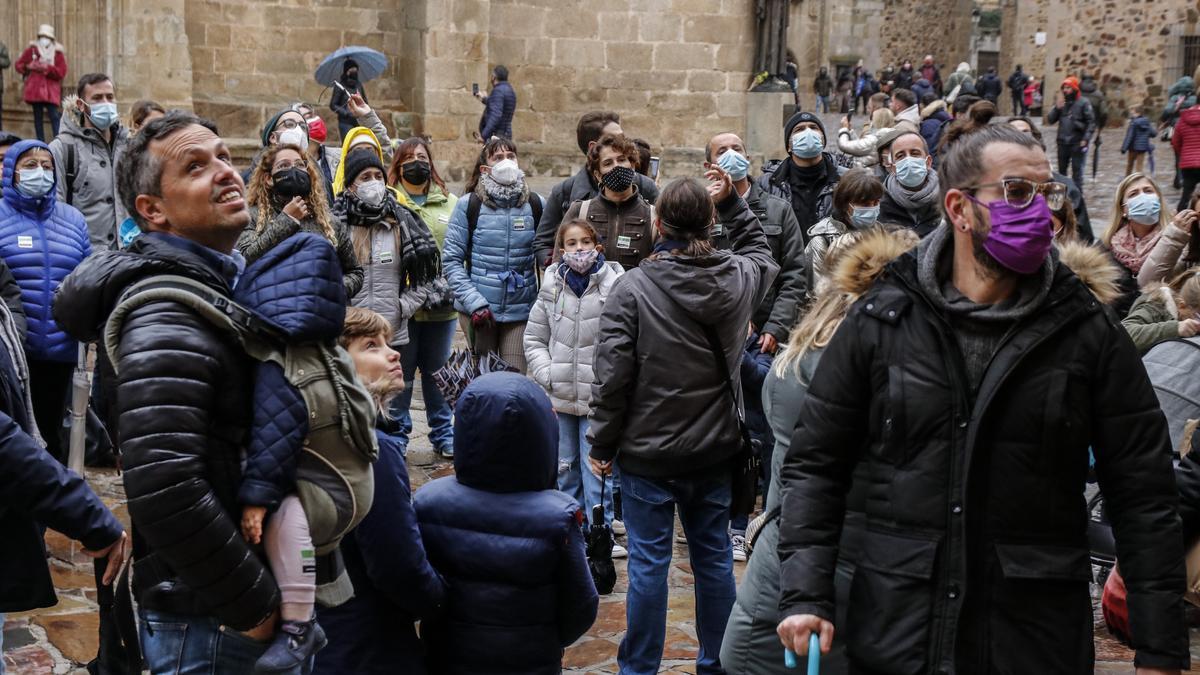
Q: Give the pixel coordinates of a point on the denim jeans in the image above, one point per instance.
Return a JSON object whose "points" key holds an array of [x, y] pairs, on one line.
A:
{"points": [[428, 349], [822, 104], [176, 644], [575, 476], [41, 110], [1074, 158], [649, 509]]}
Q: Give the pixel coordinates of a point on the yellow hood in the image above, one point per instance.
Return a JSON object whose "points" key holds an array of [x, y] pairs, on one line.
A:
{"points": [[339, 177]]}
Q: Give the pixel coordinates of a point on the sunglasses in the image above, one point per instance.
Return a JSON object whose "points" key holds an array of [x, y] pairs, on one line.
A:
{"points": [[1019, 192]]}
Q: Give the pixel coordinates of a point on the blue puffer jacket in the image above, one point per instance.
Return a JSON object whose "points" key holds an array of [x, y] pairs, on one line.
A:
{"points": [[41, 240], [1138, 135], [502, 275], [297, 287], [518, 589]]}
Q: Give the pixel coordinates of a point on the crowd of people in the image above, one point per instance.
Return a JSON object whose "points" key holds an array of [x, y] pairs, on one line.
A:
{"points": [[918, 360]]}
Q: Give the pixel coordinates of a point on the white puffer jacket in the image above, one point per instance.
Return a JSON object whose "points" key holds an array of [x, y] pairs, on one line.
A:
{"points": [[560, 337]]}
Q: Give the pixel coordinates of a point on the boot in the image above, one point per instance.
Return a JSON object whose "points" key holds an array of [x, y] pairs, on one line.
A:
{"points": [[294, 645]]}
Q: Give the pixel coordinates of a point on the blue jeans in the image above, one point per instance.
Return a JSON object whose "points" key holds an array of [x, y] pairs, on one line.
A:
{"points": [[176, 644], [822, 101], [575, 476], [1, 644], [428, 349], [649, 509]]}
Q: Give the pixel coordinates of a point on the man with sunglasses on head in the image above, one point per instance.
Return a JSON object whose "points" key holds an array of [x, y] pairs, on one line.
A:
{"points": [[965, 389]]}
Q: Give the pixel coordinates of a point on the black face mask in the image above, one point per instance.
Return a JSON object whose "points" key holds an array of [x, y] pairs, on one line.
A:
{"points": [[619, 178], [416, 173], [293, 182]]}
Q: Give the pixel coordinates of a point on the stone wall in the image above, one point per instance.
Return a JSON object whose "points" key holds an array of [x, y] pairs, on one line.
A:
{"points": [[911, 29]]}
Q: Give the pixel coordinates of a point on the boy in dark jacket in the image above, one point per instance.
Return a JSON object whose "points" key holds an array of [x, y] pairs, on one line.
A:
{"points": [[1138, 137], [509, 545]]}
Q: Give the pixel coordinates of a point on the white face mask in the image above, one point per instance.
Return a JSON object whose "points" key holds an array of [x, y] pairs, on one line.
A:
{"points": [[506, 172], [371, 192], [45, 42], [297, 136]]}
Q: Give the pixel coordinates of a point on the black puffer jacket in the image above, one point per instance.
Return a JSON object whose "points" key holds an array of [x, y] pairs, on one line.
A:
{"points": [[975, 557], [183, 395], [774, 181]]}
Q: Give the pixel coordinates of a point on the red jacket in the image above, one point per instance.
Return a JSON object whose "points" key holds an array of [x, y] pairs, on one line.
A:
{"points": [[1186, 140], [44, 85]]}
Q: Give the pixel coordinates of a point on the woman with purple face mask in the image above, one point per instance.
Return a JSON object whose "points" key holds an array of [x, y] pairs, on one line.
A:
{"points": [[560, 341]]}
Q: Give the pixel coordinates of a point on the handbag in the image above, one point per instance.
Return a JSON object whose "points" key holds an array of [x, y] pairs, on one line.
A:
{"points": [[746, 464]]}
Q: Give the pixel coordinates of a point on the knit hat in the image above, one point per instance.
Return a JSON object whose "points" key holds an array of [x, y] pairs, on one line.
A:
{"points": [[270, 126], [795, 120], [359, 161], [1072, 82]]}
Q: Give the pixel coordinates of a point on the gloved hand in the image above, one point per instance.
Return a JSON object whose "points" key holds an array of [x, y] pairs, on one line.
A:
{"points": [[482, 319]]}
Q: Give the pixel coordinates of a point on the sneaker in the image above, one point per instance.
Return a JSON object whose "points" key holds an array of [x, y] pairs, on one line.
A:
{"points": [[294, 645], [618, 527], [739, 547], [446, 451], [619, 551]]}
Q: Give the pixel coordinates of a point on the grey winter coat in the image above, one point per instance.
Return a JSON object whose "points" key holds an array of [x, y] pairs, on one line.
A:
{"points": [[94, 190], [560, 337], [780, 309], [382, 272], [654, 373]]}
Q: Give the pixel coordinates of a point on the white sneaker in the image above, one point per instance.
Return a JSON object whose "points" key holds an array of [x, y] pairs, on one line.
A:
{"points": [[739, 547], [618, 527], [619, 551]]}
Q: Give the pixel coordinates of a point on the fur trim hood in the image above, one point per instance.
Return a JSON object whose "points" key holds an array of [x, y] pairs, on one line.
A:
{"points": [[859, 257], [1095, 268], [932, 108]]}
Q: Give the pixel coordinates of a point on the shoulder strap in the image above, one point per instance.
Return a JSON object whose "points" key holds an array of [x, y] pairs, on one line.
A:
{"points": [[474, 204], [718, 354], [72, 171], [535, 205], [583, 208]]}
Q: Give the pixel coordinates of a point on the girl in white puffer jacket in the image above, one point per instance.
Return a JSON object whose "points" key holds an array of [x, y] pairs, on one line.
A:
{"points": [[560, 342]]}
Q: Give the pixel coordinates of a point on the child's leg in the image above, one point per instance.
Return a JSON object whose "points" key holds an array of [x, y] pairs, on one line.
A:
{"points": [[1139, 163], [592, 485], [569, 459], [292, 559]]}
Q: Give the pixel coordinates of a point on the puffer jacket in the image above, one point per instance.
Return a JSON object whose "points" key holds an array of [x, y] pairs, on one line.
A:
{"points": [[577, 188], [94, 191], [1138, 136], [1154, 318], [774, 181], [497, 116], [41, 240], [933, 121], [183, 398], [560, 338], [1076, 121], [779, 310], [643, 403], [1171, 366], [1166, 259], [1186, 139], [254, 244], [42, 86], [1181, 96], [501, 275], [439, 205], [976, 529], [510, 547]]}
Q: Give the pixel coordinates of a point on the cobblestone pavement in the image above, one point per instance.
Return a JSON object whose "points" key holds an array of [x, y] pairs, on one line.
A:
{"points": [[61, 638]]}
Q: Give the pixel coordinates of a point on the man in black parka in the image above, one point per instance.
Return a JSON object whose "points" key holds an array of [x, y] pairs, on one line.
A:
{"points": [[966, 388]]}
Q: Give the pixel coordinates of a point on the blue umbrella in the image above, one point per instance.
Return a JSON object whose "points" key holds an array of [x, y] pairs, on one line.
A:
{"points": [[371, 64]]}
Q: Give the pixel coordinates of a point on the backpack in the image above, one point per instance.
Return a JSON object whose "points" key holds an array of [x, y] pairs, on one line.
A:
{"points": [[334, 480], [474, 204]]}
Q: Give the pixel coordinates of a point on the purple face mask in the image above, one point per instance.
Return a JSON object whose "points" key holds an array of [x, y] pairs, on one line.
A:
{"points": [[1020, 238]]}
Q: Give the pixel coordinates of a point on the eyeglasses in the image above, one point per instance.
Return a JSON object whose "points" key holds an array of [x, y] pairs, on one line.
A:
{"points": [[285, 165], [1019, 192], [288, 123]]}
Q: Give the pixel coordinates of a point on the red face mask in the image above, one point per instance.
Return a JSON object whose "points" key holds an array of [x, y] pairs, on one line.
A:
{"points": [[316, 129]]}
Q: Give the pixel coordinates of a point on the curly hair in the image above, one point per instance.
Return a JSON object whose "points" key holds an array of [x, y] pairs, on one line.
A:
{"points": [[258, 193], [619, 144]]}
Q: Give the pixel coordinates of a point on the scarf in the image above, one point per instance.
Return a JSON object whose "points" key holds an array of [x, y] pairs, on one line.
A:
{"points": [[1132, 252], [925, 196], [12, 341], [420, 261], [577, 282], [503, 196], [46, 55]]}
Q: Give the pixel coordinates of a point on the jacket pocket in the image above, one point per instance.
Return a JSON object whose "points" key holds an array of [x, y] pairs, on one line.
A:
{"points": [[1042, 591], [1043, 562], [891, 603]]}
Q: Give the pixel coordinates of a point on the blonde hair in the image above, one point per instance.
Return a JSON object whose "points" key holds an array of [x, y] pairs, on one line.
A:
{"points": [[1118, 214], [1186, 288], [258, 193], [363, 323], [882, 119]]}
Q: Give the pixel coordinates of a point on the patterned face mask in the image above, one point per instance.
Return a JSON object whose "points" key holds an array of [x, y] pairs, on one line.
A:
{"points": [[582, 261]]}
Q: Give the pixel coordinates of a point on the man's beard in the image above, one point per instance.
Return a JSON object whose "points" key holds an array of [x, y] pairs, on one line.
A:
{"points": [[990, 267]]}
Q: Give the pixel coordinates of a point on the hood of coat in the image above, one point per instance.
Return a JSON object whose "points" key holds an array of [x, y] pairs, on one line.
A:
{"points": [[1095, 268], [505, 435], [72, 125], [857, 259], [1190, 117], [1184, 86], [39, 207], [88, 295], [339, 178], [297, 286], [937, 106]]}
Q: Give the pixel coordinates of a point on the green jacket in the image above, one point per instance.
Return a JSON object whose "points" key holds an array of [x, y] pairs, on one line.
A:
{"points": [[436, 211], [1150, 321]]}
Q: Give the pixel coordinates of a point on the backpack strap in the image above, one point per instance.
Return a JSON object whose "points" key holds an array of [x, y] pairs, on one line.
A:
{"points": [[583, 208], [535, 205], [72, 172], [254, 334], [474, 204]]}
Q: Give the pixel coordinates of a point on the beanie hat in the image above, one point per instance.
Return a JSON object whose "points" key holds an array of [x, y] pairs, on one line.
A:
{"points": [[1072, 82], [795, 120], [360, 160], [270, 126]]}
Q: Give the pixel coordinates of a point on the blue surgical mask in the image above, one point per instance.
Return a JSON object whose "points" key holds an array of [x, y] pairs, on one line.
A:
{"points": [[102, 114], [911, 171], [864, 216], [807, 144], [1144, 209], [735, 164], [35, 183]]}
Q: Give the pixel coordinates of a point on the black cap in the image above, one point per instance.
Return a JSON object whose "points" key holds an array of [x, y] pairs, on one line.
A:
{"points": [[360, 159], [9, 139], [795, 120]]}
